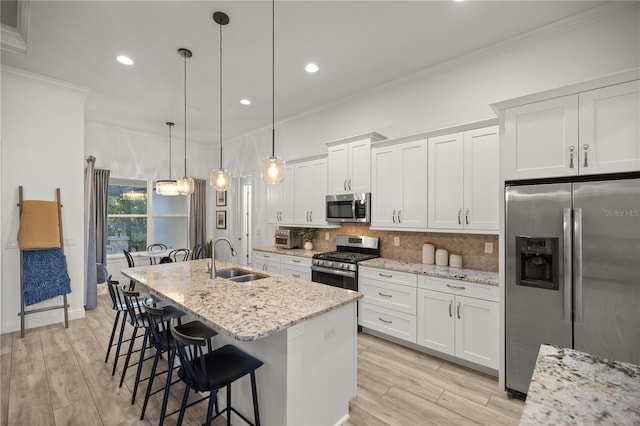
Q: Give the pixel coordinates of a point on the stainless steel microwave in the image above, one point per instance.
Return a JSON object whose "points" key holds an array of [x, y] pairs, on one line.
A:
{"points": [[349, 208]]}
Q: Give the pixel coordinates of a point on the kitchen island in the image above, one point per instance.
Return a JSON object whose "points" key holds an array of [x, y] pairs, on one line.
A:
{"points": [[304, 332], [571, 387]]}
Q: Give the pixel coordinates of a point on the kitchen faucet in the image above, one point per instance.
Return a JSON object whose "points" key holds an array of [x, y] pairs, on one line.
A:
{"points": [[213, 254]]}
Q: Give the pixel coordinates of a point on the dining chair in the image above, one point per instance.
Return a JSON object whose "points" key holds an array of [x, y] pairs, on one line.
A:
{"points": [[196, 252], [155, 248], [118, 305], [129, 258], [179, 255], [209, 371]]}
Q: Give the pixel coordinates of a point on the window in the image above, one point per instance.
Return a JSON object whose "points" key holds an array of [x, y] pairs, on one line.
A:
{"points": [[134, 220], [126, 215]]}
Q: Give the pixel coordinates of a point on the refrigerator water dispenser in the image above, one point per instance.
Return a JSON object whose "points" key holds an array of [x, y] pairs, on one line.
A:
{"points": [[537, 262]]}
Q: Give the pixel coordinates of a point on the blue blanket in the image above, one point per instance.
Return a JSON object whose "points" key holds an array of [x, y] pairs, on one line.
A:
{"points": [[45, 275]]}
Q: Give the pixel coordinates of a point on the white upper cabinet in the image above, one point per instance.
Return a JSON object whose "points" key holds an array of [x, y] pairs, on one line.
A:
{"points": [[609, 129], [588, 128], [541, 139], [280, 199], [349, 164], [310, 191], [463, 180], [399, 185]]}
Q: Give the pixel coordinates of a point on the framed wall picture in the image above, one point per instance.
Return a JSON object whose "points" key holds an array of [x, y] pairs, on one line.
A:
{"points": [[221, 198], [221, 219]]}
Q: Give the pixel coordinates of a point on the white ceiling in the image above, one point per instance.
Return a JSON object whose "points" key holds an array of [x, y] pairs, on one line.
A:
{"points": [[357, 45]]}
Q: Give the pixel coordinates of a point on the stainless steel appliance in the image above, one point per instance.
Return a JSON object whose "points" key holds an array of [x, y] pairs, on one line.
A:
{"points": [[287, 238], [349, 208], [340, 268], [572, 271]]}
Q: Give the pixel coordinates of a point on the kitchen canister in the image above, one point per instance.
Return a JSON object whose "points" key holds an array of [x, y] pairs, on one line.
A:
{"points": [[428, 254], [455, 261], [442, 257]]}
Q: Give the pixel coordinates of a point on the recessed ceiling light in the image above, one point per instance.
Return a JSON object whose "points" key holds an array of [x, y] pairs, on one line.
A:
{"points": [[245, 101], [311, 67], [124, 60]]}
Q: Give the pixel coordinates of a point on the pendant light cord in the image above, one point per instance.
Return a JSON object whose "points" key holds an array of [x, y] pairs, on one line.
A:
{"points": [[185, 115], [169, 149], [220, 97], [273, 78]]}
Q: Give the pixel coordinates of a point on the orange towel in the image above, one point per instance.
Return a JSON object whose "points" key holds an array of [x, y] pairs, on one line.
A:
{"points": [[39, 225]]}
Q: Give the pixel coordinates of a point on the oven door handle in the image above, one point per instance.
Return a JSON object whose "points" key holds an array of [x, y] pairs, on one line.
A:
{"points": [[350, 274]]}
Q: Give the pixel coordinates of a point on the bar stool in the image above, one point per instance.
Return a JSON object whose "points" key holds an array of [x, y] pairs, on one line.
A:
{"points": [[162, 340], [138, 319], [211, 371]]}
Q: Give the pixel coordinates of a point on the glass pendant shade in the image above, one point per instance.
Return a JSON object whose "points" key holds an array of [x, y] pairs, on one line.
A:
{"points": [[166, 187], [220, 179], [272, 170], [185, 186]]}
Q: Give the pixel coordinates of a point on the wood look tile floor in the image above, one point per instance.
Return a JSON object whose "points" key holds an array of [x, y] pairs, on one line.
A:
{"points": [[57, 376]]}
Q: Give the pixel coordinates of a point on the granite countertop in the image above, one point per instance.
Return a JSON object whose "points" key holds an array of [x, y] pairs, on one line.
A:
{"points": [[462, 274], [247, 311], [570, 387], [288, 252]]}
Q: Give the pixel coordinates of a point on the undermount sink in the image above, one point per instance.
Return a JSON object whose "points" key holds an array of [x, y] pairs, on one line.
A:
{"points": [[248, 277], [239, 275], [231, 273]]}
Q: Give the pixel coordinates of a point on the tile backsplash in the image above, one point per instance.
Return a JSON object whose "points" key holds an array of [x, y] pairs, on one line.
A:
{"points": [[470, 246]]}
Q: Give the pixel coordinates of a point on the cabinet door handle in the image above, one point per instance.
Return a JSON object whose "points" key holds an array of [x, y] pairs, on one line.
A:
{"points": [[399, 217], [384, 295], [571, 149], [266, 256], [295, 275], [466, 216], [349, 184], [295, 260], [458, 310], [456, 287], [310, 216], [393, 216], [450, 306], [586, 154], [344, 184], [385, 275], [459, 213], [384, 320]]}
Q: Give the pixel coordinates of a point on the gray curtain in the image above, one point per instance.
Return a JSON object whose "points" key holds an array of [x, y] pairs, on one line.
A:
{"points": [[96, 188], [90, 274], [198, 214], [101, 186]]}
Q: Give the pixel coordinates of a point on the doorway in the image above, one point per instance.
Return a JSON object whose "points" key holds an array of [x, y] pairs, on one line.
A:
{"points": [[245, 188]]}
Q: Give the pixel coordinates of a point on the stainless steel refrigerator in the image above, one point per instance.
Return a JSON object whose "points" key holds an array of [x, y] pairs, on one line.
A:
{"points": [[572, 275]]}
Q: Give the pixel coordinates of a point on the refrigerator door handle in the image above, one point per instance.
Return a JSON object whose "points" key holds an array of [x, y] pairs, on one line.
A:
{"points": [[577, 262], [566, 278]]}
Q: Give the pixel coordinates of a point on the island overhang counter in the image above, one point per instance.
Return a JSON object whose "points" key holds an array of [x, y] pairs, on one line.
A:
{"points": [[304, 332]]}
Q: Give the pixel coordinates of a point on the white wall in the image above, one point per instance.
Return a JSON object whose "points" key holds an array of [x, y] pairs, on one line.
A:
{"points": [[42, 149]]}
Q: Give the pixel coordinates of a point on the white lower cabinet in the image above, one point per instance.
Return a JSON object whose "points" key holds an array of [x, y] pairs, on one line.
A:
{"points": [[459, 319], [297, 267], [389, 303], [268, 262]]}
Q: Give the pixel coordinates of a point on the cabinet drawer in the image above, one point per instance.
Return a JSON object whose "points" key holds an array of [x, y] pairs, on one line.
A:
{"points": [[392, 296], [295, 261], [463, 288], [296, 271], [394, 277], [393, 323], [264, 256]]}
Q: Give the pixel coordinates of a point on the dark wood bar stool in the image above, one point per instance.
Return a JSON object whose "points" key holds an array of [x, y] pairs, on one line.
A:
{"points": [[208, 372]]}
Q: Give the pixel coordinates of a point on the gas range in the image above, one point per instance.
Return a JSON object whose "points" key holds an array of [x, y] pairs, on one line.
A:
{"points": [[340, 268]]}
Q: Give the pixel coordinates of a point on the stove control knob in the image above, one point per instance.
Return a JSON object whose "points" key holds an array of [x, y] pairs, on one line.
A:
{"points": [[345, 266], [328, 263]]}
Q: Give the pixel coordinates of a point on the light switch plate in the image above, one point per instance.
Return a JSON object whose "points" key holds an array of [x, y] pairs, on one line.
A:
{"points": [[488, 247], [396, 241], [326, 236]]}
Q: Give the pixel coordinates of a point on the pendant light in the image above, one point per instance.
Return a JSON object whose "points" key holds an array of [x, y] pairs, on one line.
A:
{"points": [[220, 178], [186, 185], [167, 187], [272, 169]]}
